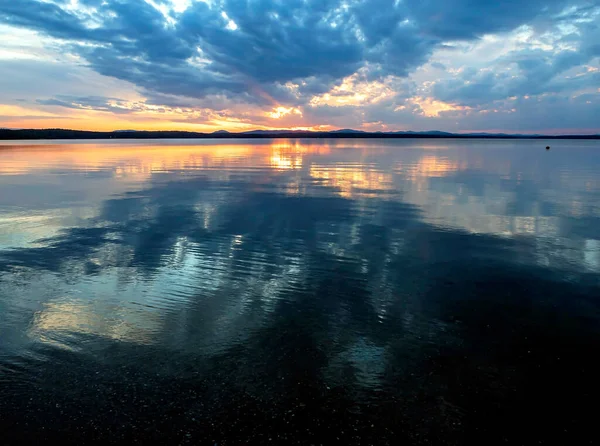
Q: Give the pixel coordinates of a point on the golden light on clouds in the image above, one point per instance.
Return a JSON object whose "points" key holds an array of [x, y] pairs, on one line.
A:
{"points": [[16, 111], [120, 115], [433, 108], [280, 112], [353, 91]]}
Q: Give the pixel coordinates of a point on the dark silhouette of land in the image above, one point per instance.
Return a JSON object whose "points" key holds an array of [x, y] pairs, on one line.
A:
{"points": [[51, 134]]}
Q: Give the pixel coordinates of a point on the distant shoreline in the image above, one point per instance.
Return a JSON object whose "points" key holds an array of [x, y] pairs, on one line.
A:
{"points": [[56, 134]]}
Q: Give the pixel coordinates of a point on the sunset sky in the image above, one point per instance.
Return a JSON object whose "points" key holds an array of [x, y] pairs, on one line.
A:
{"points": [[529, 66]]}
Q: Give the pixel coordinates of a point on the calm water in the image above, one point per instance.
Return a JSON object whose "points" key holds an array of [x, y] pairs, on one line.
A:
{"points": [[300, 292]]}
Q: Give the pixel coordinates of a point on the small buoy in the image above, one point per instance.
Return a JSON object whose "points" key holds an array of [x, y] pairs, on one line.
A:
{"points": [[547, 147]]}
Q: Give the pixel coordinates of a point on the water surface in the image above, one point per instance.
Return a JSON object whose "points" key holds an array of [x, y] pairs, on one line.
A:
{"points": [[299, 291]]}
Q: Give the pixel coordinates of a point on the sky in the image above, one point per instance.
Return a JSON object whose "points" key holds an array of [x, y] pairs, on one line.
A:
{"points": [[520, 66]]}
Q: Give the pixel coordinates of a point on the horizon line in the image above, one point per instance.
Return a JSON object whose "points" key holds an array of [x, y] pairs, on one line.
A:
{"points": [[224, 134]]}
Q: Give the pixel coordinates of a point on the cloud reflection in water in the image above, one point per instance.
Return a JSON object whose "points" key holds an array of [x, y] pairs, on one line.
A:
{"points": [[357, 266]]}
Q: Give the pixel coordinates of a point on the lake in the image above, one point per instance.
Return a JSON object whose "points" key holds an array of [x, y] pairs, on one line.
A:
{"points": [[299, 291]]}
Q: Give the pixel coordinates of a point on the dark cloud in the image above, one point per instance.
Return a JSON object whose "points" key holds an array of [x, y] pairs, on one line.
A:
{"points": [[252, 48], [46, 17], [275, 42], [98, 103], [590, 40], [468, 19]]}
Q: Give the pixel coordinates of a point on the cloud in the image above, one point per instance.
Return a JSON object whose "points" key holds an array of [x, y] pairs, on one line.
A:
{"points": [[543, 114], [236, 46], [97, 103], [468, 19], [522, 73], [300, 54], [546, 62]]}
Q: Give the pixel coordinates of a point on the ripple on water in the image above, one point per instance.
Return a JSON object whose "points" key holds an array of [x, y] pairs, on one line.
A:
{"points": [[366, 292]]}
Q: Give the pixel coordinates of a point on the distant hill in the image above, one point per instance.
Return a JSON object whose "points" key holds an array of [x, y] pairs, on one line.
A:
{"points": [[50, 134], [428, 132], [271, 132], [349, 131]]}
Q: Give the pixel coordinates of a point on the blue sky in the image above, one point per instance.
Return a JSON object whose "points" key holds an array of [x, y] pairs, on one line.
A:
{"points": [[462, 65]]}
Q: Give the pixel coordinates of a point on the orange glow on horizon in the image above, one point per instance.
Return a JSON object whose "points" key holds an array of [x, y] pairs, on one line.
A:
{"points": [[16, 117]]}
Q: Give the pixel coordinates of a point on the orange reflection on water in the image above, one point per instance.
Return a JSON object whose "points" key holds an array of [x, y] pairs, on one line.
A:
{"points": [[142, 159], [280, 160], [366, 180], [289, 154], [125, 159], [429, 166], [353, 179]]}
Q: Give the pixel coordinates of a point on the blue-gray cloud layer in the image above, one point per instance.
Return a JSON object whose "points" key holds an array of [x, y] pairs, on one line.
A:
{"points": [[249, 49]]}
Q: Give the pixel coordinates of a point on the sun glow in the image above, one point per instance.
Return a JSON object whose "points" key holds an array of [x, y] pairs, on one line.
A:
{"points": [[280, 112], [354, 91], [433, 108]]}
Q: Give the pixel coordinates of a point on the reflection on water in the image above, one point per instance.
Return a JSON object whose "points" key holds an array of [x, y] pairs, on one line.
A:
{"points": [[302, 291], [353, 180]]}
